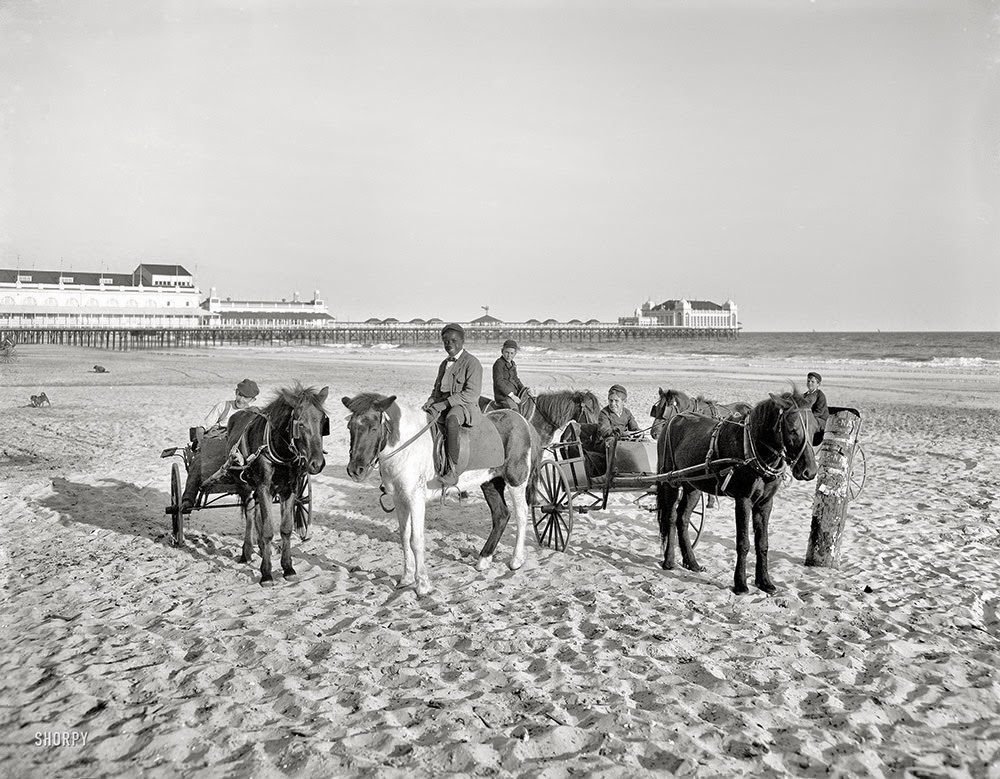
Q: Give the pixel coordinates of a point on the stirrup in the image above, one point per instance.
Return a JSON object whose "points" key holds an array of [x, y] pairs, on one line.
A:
{"points": [[383, 499]]}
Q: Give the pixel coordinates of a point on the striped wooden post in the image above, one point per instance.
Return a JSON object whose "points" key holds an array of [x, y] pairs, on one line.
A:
{"points": [[829, 513]]}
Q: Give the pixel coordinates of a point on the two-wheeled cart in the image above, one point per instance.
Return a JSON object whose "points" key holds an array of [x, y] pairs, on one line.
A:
{"points": [[566, 487], [219, 490]]}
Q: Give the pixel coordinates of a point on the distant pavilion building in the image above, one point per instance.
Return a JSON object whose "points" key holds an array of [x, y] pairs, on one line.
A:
{"points": [[267, 313], [152, 296], [685, 313]]}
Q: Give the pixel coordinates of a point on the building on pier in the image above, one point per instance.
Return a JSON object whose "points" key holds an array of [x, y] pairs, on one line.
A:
{"points": [[267, 313], [152, 296], [684, 313]]}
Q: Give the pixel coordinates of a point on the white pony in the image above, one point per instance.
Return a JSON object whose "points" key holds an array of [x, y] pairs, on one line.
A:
{"points": [[398, 439]]}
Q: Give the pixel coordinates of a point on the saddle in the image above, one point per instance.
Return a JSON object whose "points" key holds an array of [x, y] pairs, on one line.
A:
{"points": [[479, 446]]}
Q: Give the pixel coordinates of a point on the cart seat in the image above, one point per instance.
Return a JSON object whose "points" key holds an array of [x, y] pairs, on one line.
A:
{"points": [[213, 453], [635, 457]]}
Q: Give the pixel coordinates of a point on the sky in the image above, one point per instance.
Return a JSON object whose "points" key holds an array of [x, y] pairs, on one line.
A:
{"points": [[827, 165]]}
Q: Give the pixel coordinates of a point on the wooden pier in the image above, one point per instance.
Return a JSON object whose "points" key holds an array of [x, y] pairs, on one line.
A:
{"points": [[124, 339]]}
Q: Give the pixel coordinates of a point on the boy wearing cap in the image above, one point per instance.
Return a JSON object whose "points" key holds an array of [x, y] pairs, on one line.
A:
{"points": [[215, 428], [615, 420], [507, 387], [456, 393], [819, 408]]}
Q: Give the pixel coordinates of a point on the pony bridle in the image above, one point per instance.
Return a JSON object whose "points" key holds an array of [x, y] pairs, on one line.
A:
{"points": [[782, 453], [297, 456]]}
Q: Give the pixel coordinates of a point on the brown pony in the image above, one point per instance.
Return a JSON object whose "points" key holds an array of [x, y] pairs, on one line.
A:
{"points": [[278, 446], [673, 401], [742, 457], [550, 412]]}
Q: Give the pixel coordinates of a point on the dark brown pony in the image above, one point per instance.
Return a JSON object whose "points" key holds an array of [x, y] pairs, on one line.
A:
{"points": [[741, 457], [278, 444], [673, 401], [550, 412]]}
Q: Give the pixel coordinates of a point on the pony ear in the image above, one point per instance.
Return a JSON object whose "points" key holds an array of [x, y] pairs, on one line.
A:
{"points": [[345, 400], [382, 405], [323, 393]]}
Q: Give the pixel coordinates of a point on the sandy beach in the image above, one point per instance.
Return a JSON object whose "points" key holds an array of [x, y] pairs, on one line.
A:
{"points": [[174, 661]]}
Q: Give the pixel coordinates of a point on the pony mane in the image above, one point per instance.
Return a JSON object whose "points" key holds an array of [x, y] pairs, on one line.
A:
{"points": [[290, 398], [364, 402], [775, 404]]}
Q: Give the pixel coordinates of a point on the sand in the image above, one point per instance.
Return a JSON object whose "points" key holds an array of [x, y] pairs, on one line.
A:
{"points": [[174, 661]]}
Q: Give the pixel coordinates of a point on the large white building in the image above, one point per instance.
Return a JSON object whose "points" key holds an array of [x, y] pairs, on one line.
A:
{"points": [[685, 313], [267, 313], [152, 296]]}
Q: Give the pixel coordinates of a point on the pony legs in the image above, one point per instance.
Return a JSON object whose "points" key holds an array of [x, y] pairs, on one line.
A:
{"points": [[689, 498], [519, 497], [403, 518], [493, 492], [265, 533], [666, 512], [744, 509], [410, 515], [287, 523], [761, 516], [249, 522]]}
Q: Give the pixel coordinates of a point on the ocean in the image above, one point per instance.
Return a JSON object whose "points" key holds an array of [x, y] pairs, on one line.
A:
{"points": [[978, 351]]}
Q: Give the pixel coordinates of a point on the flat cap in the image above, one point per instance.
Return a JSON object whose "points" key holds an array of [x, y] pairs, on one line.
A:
{"points": [[618, 389], [814, 375], [248, 388], [453, 326], [510, 343]]}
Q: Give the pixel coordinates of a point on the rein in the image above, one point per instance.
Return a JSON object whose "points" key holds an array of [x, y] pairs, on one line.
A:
{"points": [[383, 440]]}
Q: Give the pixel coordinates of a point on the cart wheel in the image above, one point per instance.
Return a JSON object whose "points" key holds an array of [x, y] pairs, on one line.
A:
{"points": [[176, 495], [302, 507], [697, 520], [552, 509], [859, 472]]}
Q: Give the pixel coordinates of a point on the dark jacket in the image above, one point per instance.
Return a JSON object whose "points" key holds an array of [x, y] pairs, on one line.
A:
{"points": [[464, 388], [505, 380], [819, 409], [608, 422]]}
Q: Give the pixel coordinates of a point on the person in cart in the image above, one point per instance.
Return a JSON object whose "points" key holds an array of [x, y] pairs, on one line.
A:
{"points": [[215, 432], [615, 420]]}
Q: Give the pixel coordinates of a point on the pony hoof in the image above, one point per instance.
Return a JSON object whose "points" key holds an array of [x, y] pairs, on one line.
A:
{"points": [[767, 587], [289, 573], [269, 582], [243, 558], [667, 566], [694, 567], [424, 588], [741, 589], [483, 563], [406, 581], [515, 563]]}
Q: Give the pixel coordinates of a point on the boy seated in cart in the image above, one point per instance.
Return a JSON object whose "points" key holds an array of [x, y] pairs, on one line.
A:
{"points": [[615, 424], [209, 450]]}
